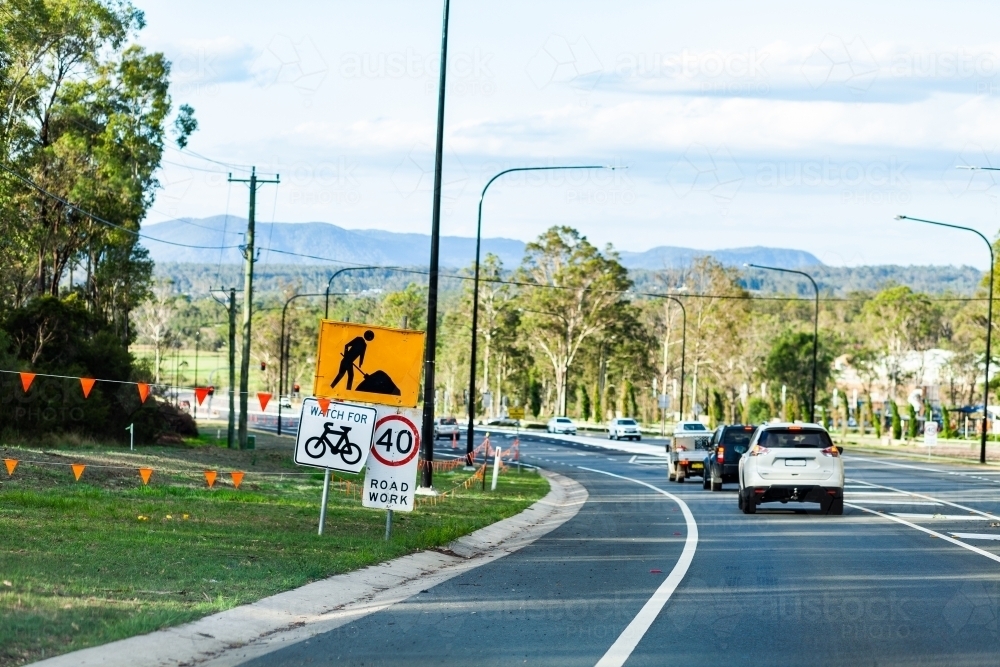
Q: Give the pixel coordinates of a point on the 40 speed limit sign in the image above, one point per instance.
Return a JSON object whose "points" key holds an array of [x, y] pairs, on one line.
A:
{"points": [[391, 475]]}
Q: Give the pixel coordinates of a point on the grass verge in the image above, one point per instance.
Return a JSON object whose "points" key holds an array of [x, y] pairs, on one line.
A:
{"points": [[79, 567]]}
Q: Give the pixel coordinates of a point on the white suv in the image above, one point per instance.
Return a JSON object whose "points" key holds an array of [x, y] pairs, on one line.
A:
{"points": [[792, 462], [623, 428]]}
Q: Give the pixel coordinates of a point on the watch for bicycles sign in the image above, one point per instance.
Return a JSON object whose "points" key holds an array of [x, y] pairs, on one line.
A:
{"points": [[391, 475], [338, 439]]}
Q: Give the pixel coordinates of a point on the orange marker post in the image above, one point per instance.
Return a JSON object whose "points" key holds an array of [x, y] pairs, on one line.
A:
{"points": [[145, 473], [200, 393], [263, 397], [237, 478], [210, 476], [143, 391], [78, 469], [11, 466], [324, 404]]}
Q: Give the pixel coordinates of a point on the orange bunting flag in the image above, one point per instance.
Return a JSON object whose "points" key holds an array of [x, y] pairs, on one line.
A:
{"points": [[87, 384], [237, 478], [324, 404], [145, 473], [11, 466], [210, 476], [78, 470], [200, 393], [26, 380], [143, 391], [263, 397]]}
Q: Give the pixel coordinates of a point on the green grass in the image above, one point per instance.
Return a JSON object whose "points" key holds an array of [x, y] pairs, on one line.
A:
{"points": [[78, 567]]}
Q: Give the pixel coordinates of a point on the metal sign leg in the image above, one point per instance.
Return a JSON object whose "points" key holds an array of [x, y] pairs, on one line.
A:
{"points": [[388, 524], [322, 505]]}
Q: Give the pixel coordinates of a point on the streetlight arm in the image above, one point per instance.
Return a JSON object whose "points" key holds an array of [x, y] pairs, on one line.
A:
{"points": [[812, 406], [989, 317]]}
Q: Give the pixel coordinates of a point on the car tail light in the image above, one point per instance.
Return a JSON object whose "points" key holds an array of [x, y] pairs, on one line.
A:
{"points": [[681, 448], [720, 454], [757, 450], [831, 451], [684, 463]]}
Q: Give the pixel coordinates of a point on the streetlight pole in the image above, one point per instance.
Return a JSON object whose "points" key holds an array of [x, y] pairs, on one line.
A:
{"points": [[470, 436], [284, 348], [812, 402], [989, 317], [684, 328], [326, 308]]}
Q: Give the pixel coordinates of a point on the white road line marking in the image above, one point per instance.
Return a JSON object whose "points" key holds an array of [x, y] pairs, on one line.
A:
{"points": [[890, 501], [944, 537], [926, 497], [977, 536], [631, 635], [940, 472], [939, 517], [632, 460]]}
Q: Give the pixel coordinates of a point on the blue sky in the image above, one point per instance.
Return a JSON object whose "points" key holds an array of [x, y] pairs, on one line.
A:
{"points": [[740, 124]]}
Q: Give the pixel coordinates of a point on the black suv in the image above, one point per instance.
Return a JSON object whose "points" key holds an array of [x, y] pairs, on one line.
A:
{"points": [[728, 445]]}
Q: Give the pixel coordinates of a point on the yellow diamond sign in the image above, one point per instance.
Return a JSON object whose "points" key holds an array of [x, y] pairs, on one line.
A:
{"points": [[361, 362]]}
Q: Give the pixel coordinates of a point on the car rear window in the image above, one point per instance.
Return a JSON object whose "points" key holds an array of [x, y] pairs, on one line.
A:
{"points": [[627, 422], [563, 420], [799, 437], [694, 427], [737, 436], [450, 421]]}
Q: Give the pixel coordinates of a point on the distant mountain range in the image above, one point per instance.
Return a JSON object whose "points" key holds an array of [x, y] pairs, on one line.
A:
{"points": [[321, 242]]}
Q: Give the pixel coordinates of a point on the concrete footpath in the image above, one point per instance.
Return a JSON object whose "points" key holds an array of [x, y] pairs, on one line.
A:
{"points": [[240, 634]]}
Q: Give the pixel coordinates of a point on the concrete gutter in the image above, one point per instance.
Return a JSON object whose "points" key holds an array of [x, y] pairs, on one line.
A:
{"points": [[240, 634]]}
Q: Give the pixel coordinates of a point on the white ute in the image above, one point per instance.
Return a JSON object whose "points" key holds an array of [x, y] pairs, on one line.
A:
{"points": [[792, 462], [687, 450]]}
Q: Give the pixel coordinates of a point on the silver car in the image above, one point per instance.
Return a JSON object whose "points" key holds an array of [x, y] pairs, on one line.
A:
{"points": [[623, 428], [561, 425]]}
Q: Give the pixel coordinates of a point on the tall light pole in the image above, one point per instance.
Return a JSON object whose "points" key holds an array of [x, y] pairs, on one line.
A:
{"points": [[326, 308], [282, 351], [812, 403], [430, 353], [989, 318], [475, 294]]}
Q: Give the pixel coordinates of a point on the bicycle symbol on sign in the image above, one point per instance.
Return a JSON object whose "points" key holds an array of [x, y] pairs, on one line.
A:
{"points": [[317, 445]]}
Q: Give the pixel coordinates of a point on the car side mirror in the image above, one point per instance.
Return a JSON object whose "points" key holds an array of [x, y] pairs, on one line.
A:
{"points": [[840, 450]]}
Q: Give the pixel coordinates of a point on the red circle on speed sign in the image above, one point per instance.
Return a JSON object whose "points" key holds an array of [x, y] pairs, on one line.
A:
{"points": [[405, 443]]}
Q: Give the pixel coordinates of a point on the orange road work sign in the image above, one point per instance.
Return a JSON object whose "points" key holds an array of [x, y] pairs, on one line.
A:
{"points": [[145, 474], [360, 362]]}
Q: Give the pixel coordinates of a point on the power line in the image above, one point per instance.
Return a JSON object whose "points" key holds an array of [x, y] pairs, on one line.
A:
{"points": [[68, 204]]}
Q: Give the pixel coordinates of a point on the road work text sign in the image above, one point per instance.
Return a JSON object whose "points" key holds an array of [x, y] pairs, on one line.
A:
{"points": [[356, 362], [391, 475], [337, 439]]}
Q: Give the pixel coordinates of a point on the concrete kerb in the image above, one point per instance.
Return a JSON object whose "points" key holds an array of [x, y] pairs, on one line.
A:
{"points": [[240, 634]]}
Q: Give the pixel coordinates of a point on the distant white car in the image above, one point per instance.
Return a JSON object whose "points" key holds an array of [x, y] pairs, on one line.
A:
{"points": [[445, 427], [561, 425], [792, 462], [623, 428]]}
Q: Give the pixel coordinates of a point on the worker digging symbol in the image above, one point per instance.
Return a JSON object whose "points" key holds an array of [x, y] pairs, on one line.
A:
{"points": [[353, 355]]}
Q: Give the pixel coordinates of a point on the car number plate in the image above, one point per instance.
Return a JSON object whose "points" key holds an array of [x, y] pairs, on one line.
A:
{"points": [[697, 465], [795, 462]]}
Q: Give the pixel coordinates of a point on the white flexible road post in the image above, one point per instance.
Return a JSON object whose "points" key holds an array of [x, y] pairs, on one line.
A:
{"points": [[496, 469]]}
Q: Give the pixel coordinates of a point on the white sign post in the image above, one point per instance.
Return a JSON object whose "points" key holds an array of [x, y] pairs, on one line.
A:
{"points": [[337, 438], [930, 436], [391, 475]]}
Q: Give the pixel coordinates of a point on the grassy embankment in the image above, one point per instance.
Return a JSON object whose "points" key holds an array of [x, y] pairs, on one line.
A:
{"points": [[91, 561]]}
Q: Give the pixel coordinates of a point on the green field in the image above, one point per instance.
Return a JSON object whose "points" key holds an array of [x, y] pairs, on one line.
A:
{"points": [[105, 558]]}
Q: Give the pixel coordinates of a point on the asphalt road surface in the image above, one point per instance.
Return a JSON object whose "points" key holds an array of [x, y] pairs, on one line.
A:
{"points": [[907, 576]]}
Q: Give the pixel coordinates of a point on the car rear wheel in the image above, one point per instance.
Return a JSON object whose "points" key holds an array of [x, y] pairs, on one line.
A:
{"points": [[716, 483], [749, 504], [739, 499], [704, 482], [835, 507]]}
